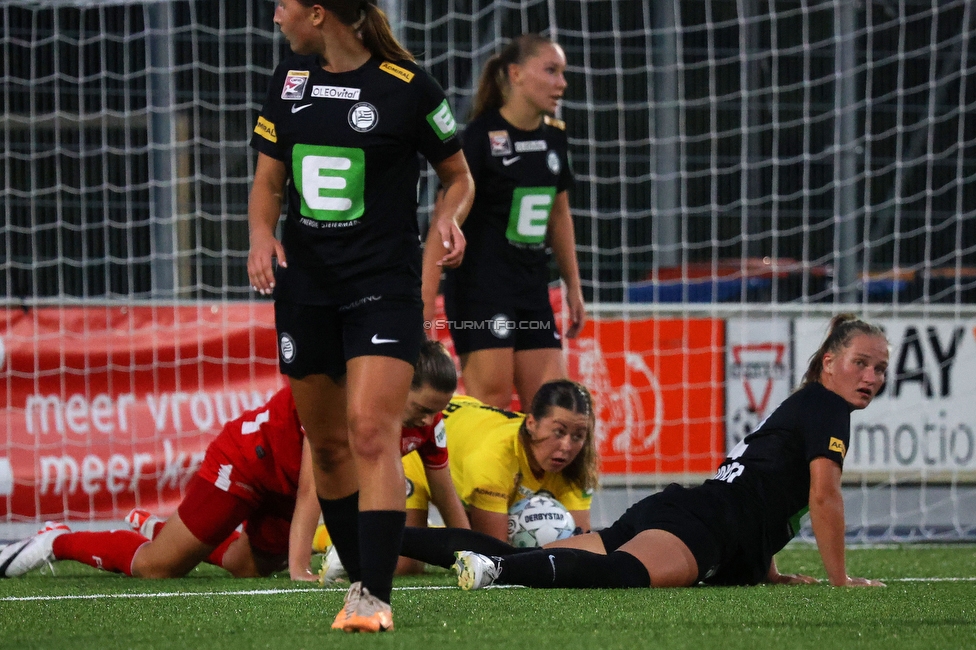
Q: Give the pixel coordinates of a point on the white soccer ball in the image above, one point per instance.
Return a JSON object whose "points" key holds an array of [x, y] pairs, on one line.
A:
{"points": [[538, 520]]}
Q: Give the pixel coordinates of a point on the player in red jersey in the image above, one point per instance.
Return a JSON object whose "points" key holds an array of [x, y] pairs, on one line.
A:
{"points": [[256, 472]]}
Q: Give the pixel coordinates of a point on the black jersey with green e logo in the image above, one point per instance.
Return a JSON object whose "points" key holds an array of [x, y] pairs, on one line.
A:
{"points": [[350, 142], [517, 175]]}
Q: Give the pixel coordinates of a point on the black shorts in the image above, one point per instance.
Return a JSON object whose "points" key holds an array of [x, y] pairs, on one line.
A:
{"points": [[320, 339], [708, 524], [491, 324]]}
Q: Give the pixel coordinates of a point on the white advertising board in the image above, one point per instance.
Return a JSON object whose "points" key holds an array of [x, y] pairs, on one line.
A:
{"points": [[758, 360], [924, 420]]}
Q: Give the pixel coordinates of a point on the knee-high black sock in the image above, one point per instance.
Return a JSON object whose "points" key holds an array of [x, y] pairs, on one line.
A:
{"points": [[573, 568], [341, 517], [437, 545], [380, 535]]}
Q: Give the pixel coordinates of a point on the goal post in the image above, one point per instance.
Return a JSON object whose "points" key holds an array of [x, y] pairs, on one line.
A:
{"points": [[743, 171]]}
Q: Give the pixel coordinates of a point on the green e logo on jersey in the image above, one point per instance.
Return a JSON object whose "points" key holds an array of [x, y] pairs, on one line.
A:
{"points": [[441, 119], [529, 216], [330, 181]]}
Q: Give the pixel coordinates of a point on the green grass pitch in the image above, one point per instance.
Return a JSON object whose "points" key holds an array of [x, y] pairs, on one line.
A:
{"points": [[930, 602]]}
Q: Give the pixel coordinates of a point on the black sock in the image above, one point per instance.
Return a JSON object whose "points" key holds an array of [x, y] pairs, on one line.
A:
{"points": [[437, 545], [341, 517], [380, 535], [573, 568]]}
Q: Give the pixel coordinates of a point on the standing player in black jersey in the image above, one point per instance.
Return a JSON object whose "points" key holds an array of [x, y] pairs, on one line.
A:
{"points": [[497, 300], [339, 134], [727, 530]]}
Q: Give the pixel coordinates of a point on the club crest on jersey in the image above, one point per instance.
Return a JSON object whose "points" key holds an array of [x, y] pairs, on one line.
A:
{"points": [[500, 143], [363, 117], [294, 87], [552, 161]]}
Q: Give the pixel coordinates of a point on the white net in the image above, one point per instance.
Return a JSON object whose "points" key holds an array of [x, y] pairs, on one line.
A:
{"points": [[744, 170]]}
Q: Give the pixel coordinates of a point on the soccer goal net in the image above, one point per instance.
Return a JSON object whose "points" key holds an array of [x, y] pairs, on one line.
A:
{"points": [[744, 170]]}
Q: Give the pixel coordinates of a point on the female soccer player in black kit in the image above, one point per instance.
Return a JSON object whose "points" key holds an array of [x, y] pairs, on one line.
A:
{"points": [[727, 530], [518, 157], [339, 134]]}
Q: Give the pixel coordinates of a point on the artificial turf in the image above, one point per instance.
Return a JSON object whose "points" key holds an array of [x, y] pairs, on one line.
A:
{"points": [[930, 602]]}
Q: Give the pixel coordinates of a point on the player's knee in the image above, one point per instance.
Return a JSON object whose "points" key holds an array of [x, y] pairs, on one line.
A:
{"points": [[331, 454], [372, 437], [156, 570]]}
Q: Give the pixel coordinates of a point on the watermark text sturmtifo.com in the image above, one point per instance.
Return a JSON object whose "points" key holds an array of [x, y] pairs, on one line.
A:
{"points": [[493, 324]]}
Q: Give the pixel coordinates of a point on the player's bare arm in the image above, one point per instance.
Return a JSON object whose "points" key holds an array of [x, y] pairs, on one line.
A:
{"points": [[263, 212], [304, 521], [444, 496], [562, 239]]}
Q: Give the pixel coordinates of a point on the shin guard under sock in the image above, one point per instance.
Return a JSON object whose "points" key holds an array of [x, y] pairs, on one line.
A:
{"points": [[574, 568], [437, 545], [380, 536], [110, 550], [341, 518]]}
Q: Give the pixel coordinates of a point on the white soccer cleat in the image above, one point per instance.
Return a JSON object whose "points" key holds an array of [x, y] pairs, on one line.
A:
{"points": [[332, 571], [26, 555], [475, 571], [143, 522]]}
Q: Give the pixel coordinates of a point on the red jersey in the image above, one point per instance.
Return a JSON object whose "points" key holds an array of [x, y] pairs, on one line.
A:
{"points": [[259, 452], [430, 443]]}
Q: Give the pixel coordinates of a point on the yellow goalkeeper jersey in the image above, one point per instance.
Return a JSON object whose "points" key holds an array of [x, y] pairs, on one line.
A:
{"points": [[488, 463]]}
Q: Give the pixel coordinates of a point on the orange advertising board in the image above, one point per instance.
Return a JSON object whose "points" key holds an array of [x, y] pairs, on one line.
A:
{"points": [[658, 388]]}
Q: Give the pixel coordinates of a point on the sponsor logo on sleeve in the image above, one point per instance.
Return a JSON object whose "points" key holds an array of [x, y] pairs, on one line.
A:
{"points": [[500, 143], [441, 119], [440, 435], [294, 86], [266, 130], [838, 446], [335, 92], [397, 71], [531, 145]]}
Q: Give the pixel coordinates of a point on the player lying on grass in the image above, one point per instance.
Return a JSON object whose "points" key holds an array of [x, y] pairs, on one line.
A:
{"points": [[257, 471], [498, 457], [727, 530]]}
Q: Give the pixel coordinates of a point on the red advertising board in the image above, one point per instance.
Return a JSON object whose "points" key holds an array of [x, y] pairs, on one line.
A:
{"points": [[658, 387], [108, 408]]}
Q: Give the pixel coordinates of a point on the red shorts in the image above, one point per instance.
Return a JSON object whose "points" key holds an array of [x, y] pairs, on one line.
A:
{"points": [[212, 514], [240, 481]]}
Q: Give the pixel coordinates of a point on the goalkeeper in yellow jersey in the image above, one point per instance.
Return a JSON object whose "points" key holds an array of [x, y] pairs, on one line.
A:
{"points": [[498, 457]]}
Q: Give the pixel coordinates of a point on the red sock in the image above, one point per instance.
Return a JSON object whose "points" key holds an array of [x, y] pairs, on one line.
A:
{"points": [[217, 555], [110, 550], [158, 526]]}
